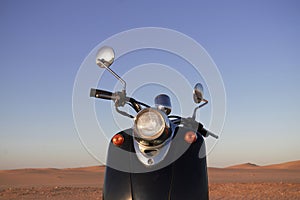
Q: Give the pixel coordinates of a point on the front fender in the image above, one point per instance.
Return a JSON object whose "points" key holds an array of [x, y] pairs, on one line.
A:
{"points": [[184, 178]]}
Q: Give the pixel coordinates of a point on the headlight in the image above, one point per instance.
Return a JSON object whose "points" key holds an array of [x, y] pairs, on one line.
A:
{"points": [[150, 124]]}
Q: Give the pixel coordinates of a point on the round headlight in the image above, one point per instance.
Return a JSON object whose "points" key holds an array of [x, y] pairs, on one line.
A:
{"points": [[150, 124]]}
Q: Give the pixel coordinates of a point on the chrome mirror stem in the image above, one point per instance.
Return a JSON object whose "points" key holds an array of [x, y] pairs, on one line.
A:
{"points": [[116, 76]]}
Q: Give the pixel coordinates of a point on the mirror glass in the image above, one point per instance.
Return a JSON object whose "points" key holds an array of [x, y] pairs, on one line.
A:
{"points": [[105, 57], [198, 93]]}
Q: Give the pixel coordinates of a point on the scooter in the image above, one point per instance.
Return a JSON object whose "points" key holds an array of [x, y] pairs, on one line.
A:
{"points": [[162, 156]]}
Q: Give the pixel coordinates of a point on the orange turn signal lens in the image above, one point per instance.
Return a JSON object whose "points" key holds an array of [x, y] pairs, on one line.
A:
{"points": [[190, 137], [118, 140]]}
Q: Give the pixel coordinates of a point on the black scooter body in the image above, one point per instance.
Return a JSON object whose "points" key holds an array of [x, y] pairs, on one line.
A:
{"points": [[183, 178]]}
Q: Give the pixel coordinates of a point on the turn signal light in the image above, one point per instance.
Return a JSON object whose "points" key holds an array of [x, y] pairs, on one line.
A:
{"points": [[190, 137], [118, 140]]}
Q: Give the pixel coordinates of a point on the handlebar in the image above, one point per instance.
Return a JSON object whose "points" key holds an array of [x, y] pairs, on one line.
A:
{"points": [[207, 133], [102, 94], [191, 122], [119, 98]]}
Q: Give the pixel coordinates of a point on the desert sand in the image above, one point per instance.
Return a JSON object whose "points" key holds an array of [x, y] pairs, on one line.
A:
{"points": [[245, 181]]}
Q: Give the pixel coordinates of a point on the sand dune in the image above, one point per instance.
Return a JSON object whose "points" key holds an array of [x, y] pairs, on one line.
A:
{"points": [[244, 181], [244, 166], [293, 165]]}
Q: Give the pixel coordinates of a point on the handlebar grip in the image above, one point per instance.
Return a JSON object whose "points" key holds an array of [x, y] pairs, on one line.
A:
{"points": [[102, 94], [207, 133]]}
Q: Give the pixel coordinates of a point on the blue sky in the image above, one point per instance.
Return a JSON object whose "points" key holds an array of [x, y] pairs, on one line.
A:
{"points": [[255, 45]]}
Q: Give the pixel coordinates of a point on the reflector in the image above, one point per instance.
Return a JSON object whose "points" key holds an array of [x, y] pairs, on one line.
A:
{"points": [[190, 137], [118, 140]]}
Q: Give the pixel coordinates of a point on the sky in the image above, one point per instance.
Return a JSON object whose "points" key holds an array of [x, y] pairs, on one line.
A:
{"points": [[255, 45]]}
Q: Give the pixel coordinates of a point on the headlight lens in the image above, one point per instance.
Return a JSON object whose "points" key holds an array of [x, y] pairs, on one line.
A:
{"points": [[150, 124]]}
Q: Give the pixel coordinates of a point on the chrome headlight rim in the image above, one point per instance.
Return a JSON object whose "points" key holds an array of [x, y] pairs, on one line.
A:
{"points": [[159, 134]]}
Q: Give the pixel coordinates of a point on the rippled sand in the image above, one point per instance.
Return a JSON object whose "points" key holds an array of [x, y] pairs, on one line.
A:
{"points": [[238, 182]]}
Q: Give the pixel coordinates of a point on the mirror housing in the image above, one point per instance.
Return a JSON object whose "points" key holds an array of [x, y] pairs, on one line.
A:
{"points": [[198, 93], [105, 57]]}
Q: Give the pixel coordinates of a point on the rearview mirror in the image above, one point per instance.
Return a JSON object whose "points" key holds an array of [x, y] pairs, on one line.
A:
{"points": [[105, 57], [198, 93]]}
